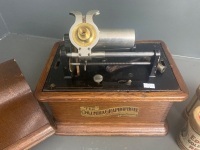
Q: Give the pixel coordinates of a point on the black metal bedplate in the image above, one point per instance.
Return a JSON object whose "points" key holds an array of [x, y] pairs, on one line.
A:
{"points": [[60, 80]]}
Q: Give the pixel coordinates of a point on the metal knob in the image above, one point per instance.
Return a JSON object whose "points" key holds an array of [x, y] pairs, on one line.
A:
{"points": [[98, 78]]}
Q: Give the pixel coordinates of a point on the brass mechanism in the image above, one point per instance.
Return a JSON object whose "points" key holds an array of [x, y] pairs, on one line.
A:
{"points": [[84, 34]]}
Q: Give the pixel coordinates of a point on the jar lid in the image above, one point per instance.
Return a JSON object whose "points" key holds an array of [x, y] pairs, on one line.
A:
{"points": [[194, 119]]}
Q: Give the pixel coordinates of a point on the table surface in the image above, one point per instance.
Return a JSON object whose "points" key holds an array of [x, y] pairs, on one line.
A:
{"points": [[31, 53]]}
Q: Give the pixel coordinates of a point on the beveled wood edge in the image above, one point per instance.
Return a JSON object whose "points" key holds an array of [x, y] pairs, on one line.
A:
{"points": [[177, 73], [122, 129], [46, 69], [109, 96], [33, 138]]}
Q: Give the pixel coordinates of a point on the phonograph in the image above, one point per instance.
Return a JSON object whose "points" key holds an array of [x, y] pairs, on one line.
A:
{"points": [[104, 82]]}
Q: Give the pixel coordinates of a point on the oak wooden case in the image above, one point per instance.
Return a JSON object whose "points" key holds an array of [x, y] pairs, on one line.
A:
{"points": [[111, 113]]}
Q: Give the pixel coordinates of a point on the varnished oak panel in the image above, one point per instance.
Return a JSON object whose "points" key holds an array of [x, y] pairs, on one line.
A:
{"points": [[22, 121], [148, 112]]}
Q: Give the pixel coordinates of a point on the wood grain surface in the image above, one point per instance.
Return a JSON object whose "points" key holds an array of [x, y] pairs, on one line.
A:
{"points": [[22, 121]]}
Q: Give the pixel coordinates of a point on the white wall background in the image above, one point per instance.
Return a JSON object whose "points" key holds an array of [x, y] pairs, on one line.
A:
{"points": [[176, 22]]}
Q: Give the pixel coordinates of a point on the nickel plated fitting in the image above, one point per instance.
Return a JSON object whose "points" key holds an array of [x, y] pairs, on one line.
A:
{"points": [[84, 34]]}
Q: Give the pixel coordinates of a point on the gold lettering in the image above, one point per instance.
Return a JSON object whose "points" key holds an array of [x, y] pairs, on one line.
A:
{"points": [[114, 111]]}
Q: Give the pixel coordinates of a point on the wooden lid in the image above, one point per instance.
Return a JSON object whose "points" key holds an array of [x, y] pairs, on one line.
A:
{"points": [[23, 124], [194, 119]]}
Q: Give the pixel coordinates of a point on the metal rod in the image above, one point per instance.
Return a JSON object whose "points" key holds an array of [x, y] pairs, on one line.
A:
{"points": [[113, 63], [128, 54], [114, 54]]}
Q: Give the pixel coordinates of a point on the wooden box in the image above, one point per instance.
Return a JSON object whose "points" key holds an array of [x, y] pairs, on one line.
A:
{"points": [[113, 112]]}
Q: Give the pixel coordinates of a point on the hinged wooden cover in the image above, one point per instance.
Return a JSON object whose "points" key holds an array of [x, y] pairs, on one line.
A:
{"points": [[22, 121]]}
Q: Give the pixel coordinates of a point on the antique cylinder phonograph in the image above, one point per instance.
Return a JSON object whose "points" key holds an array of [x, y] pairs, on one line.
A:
{"points": [[104, 82]]}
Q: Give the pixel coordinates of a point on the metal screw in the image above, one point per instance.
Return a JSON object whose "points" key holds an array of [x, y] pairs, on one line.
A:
{"points": [[52, 85], [129, 82]]}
